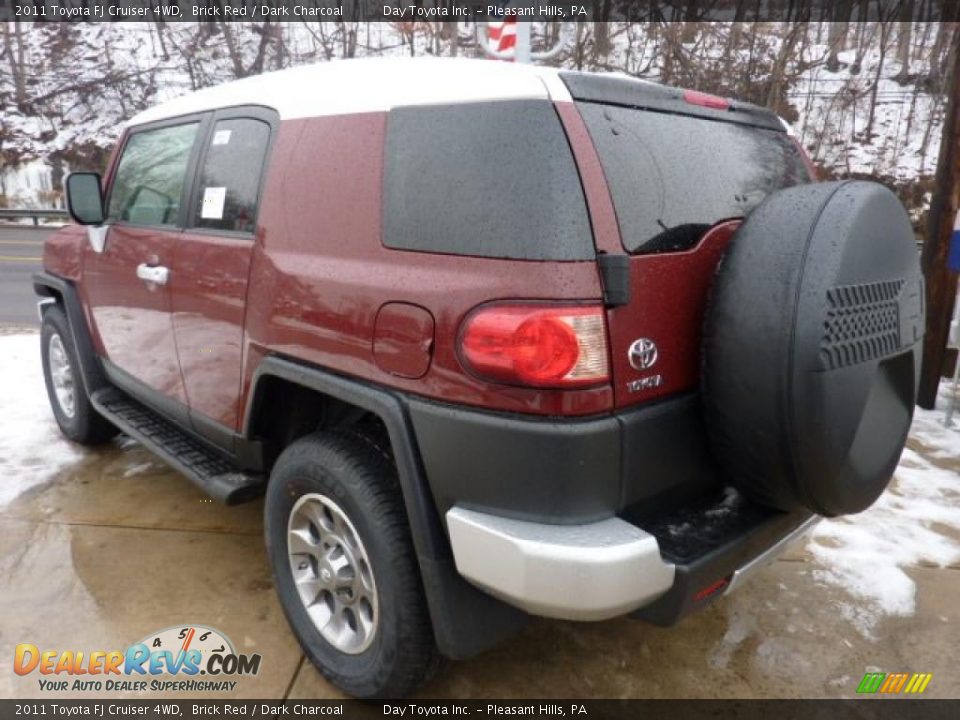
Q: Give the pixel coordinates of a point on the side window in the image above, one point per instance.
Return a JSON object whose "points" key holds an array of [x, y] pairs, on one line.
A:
{"points": [[150, 176], [230, 178]]}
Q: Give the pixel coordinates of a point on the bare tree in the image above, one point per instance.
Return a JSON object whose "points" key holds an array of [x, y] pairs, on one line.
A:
{"points": [[601, 28], [837, 33], [904, 28], [884, 25], [13, 49]]}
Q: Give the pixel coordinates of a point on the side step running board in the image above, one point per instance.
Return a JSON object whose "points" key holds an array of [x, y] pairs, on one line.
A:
{"points": [[211, 472]]}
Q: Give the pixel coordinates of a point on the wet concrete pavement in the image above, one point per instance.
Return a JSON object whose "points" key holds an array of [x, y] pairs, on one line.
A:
{"points": [[115, 545]]}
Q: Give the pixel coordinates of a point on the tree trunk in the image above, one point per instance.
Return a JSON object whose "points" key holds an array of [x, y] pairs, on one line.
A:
{"points": [[778, 73], [837, 33], [884, 36], [601, 37], [578, 47], [15, 58], [859, 39], [235, 59], [943, 32], [601, 28], [941, 283], [903, 41], [451, 32]]}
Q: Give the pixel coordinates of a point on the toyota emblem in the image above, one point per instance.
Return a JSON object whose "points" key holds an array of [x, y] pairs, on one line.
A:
{"points": [[642, 354]]}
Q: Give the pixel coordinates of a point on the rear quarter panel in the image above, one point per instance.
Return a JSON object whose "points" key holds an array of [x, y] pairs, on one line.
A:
{"points": [[320, 274]]}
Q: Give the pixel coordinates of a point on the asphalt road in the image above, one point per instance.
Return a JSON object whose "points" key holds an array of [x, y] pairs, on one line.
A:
{"points": [[21, 248]]}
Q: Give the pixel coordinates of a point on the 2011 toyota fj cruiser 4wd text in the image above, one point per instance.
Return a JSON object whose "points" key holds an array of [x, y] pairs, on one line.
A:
{"points": [[495, 341]]}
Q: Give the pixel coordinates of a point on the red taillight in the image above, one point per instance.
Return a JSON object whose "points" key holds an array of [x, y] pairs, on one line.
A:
{"points": [[805, 157], [542, 346], [705, 100]]}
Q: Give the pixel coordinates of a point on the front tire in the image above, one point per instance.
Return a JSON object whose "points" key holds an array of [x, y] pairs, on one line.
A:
{"points": [[74, 413], [344, 566]]}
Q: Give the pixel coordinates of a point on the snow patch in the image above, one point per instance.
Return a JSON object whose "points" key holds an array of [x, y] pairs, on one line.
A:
{"points": [[138, 469], [32, 450], [731, 501], [739, 629], [928, 428], [866, 554], [29, 186]]}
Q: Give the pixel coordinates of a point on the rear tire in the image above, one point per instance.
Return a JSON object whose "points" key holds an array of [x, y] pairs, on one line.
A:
{"points": [[336, 497], [71, 406]]}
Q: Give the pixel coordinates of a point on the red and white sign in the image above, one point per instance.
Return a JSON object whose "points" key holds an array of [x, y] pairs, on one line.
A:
{"points": [[503, 35]]}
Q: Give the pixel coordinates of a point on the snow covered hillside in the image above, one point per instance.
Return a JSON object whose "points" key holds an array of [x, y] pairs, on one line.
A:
{"points": [[865, 98]]}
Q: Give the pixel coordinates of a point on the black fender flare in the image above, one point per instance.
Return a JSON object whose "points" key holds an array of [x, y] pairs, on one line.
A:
{"points": [[465, 620], [91, 369]]}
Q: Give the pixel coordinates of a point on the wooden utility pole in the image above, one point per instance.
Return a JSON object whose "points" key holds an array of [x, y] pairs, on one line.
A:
{"points": [[941, 283]]}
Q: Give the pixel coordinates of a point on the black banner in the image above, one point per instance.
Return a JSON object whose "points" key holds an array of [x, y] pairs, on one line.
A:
{"points": [[877, 709], [474, 10]]}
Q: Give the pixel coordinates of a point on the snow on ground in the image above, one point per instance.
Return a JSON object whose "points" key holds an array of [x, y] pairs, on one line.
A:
{"points": [[928, 427], [32, 450], [911, 524], [900, 145]]}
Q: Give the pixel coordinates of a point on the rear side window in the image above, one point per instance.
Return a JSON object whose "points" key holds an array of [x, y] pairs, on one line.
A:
{"points": [[229, 187], [672, 176], [150, 176], [492, 179]]}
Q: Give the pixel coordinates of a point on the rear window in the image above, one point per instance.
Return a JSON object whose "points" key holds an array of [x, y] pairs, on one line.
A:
{"points": [[672, 177], [230, 178], [492, 179]]}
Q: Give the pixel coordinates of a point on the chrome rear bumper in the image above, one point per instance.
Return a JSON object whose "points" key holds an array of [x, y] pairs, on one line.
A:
{"points": [[575, 572]]}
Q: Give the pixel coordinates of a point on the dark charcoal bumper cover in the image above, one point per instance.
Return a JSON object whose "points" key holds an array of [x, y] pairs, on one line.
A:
{"points": [[589, 519]]}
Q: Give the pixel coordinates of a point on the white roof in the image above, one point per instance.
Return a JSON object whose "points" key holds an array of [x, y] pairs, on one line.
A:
{"points": [[370, 85]]}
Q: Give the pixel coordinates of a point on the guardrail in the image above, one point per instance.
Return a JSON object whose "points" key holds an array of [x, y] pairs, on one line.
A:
{"points": [[14, 214]]}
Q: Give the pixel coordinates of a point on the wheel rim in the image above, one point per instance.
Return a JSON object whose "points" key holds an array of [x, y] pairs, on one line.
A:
{"points": [[332, 573], [61, 376]]}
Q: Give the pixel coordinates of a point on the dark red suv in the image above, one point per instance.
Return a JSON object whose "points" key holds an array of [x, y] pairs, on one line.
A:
{"points": [[494, 340]]}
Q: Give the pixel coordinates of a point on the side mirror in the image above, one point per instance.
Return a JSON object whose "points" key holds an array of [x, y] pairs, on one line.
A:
{"points": [[85, 198]]}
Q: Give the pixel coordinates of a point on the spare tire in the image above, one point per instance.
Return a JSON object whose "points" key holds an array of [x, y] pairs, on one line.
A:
{"points": [[812, 347]]}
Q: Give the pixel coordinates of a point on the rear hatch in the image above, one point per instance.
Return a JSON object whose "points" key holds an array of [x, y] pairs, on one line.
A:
{"points": [[681, 168]]}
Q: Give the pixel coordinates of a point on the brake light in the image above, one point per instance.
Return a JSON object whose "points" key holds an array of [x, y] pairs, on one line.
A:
{"points": [[693, 97], [537, 345]]}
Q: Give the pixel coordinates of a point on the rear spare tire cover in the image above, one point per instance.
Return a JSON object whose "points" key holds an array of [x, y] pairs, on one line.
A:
{"points": [[812, 347]]}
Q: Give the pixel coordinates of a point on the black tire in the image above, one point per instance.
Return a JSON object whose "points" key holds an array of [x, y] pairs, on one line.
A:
{"points": [[362, 481], [85, 425], [812, 347]]}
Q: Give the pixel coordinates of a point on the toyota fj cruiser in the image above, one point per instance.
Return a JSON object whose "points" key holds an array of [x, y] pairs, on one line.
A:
{"points": [[494, 340]]}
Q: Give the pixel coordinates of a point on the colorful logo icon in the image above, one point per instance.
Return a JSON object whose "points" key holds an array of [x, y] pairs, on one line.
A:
{"points": [[894, 683]]}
